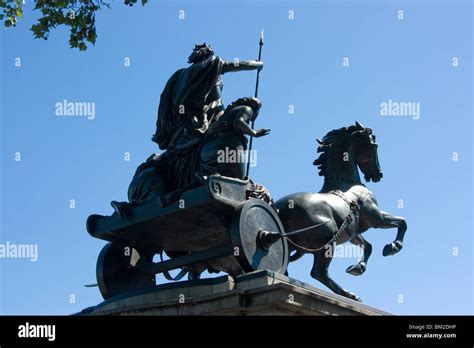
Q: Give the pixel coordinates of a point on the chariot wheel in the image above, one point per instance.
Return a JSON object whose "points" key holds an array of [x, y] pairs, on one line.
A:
{"points": [[251, 221], [114, 271]]}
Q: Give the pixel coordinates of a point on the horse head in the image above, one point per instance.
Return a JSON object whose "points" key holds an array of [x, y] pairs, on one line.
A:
{"points": [[366, 152], [346, 150]]}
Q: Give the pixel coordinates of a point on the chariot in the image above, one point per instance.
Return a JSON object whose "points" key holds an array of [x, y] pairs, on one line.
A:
{"points": [[216, 225]]}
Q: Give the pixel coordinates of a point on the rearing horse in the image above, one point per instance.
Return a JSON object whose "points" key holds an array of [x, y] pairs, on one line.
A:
{"points": [[343, 209]]}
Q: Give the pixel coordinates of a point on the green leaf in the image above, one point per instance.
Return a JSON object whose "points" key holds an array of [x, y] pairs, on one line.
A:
{"points": [[82, 46], [55, 13], [92, 37]]}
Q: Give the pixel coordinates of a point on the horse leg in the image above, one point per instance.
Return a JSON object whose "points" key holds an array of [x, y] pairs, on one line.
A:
{"points": [[372, 216], [390, 221], [360, 267], [322, 259]]}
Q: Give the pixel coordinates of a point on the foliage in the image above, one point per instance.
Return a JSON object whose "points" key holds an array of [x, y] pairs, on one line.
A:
{"points": [[78, 15]]}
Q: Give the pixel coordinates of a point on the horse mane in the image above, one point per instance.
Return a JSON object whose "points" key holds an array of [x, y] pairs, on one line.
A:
{"points": [[327, 144]]}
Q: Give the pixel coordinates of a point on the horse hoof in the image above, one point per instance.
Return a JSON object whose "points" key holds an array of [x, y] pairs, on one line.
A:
{"points": [[387, 250], [392, 248], [357, 269], [353, 296]]}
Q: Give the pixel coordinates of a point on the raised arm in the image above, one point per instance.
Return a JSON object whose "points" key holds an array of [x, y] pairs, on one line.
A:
{"points": [[241, 65]]}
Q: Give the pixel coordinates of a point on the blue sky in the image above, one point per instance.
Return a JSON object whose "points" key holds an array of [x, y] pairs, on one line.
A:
{"points": [[407, 60]]}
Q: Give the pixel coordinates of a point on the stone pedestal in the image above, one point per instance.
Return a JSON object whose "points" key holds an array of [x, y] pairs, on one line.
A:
{"points": [[258, 293]]}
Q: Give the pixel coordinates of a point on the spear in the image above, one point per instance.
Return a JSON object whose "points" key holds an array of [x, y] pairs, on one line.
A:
{"points": [[256, 95]]}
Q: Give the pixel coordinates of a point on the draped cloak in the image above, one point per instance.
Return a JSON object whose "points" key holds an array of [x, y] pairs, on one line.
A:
{"points": [[184, 97], [182, 119]]}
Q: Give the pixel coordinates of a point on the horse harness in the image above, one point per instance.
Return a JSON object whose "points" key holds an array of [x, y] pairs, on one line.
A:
{"points": [[354, 207]]}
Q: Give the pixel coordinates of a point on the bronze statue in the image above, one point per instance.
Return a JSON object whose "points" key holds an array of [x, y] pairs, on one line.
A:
{"points": [[190, 104], [228, 222], [343, 209]]}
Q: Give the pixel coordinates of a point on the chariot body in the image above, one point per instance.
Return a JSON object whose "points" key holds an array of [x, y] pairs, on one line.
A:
{"points": [[215, 226]]}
